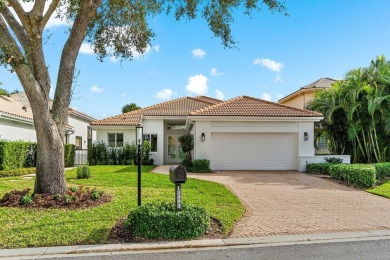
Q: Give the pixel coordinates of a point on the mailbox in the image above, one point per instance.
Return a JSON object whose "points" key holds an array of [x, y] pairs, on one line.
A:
{"points": [[178, 174]]}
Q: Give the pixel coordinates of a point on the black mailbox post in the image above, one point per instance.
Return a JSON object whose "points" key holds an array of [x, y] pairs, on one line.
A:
{"points": [[178, 175]]}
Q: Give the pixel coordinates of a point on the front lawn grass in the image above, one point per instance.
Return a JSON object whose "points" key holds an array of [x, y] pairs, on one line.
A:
{"points": [[381, 190], [54, 227]]}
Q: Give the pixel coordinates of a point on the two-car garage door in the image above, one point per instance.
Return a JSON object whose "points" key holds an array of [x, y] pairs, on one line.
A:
{"points": [[254, 151]]}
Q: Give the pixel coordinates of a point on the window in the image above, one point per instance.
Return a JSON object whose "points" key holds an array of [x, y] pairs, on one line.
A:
{"points": [[152, 139], [79, 143], [115, 139], [322, 142]]}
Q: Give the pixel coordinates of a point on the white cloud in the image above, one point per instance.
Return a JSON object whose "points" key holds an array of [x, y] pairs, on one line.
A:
{"points": [[219, 94], [157, 48], [198, 53], [266, 96], [214, 72], [197, 85], [278, 78], [86, 48], [269, 64], [166, 94], [96, 89], [123, 95]]}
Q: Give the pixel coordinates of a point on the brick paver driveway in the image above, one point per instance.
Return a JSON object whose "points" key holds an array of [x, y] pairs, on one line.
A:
{"points": [[288, 202]]}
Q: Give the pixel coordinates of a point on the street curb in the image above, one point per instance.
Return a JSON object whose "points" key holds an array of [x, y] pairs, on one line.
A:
{"points": [[268, 240]]}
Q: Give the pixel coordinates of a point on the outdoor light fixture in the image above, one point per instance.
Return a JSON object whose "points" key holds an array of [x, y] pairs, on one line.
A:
{"points": [[305, 136], [138, 134], [203, 137]]}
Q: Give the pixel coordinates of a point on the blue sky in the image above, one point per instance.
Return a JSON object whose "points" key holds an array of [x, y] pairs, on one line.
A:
{"points": [[274, 56]]}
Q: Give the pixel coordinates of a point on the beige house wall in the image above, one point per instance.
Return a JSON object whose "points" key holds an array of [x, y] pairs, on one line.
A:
{"points": [[300, 100]]}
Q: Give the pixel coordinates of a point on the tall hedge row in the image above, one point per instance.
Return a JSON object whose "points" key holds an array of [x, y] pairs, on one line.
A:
{"points": [[19, 154], [101, 154]]}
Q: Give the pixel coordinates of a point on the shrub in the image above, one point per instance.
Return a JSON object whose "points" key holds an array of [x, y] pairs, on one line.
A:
{"points": [[163, 221], [26, 199], [361, 175], [201, 166], [333, 160], [319, 168], [69, 153], [382, 171], [83, 172], [187, 164], [13, 154], [17, 172]]}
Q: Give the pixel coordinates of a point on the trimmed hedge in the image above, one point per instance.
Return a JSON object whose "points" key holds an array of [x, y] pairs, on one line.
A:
{"points": [[69, 154], [319, 168], [17, 172], [101, 154], [163, 221], [201, 166], [382, 171], [361, 175], [18, 155]]}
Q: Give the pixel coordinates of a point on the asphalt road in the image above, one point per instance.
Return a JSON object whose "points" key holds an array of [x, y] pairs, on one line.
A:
{"points": [[363, 249]]}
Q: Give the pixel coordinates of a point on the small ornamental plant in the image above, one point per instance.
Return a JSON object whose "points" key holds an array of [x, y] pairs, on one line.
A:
{"points": [[83, 172], [162, 221]]}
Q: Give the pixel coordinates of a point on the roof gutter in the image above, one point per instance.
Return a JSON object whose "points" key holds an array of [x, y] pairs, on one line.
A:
{"points": [[17, 119]]}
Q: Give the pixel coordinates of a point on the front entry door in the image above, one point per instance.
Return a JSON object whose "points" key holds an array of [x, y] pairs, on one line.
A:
{"points": [[175, 154]]}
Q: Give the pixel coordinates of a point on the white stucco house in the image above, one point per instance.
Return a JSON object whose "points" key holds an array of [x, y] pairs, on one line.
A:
{"points": [[16, 122], [243, 133]]}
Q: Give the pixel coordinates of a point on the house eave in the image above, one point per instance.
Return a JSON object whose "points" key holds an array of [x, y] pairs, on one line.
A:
{"points": [[16, 118], [297, 93]]}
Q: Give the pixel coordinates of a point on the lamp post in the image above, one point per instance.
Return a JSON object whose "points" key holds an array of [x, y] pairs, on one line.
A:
{"points": [[138, 140]]}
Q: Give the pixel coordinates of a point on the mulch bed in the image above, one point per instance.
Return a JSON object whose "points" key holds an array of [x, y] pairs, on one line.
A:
{"points": [[119, 234], [72, 199]]}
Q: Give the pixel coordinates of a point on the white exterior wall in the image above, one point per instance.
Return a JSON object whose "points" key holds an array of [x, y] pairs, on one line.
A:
{"points": [[202, 149], [80, 129], [15, 130], [128, 134], [156, 126], [304, 160]]}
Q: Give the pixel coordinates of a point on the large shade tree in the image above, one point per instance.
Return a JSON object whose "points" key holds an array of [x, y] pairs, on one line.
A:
{"points": [[357, 113], [114, 27]]}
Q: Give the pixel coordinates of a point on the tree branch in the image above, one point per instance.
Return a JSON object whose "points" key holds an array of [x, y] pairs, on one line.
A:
{"points": [[15, 26], [19, 11], [53, 6], [87, 12]]}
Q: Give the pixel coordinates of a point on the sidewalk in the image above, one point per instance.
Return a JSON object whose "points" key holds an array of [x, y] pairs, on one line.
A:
{"points": [[79, 250]]}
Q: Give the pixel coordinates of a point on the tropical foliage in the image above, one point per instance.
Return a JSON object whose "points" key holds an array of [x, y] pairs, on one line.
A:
{"points": [[357, 113]]}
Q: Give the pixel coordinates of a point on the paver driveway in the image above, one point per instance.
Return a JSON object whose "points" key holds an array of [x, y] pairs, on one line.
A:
{"points": [[288, 202]]}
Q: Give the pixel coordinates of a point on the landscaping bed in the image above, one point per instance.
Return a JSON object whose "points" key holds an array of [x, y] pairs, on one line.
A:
{"points": [[31, 227]]}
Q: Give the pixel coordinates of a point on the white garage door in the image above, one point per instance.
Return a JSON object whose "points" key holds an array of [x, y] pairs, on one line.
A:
{"points": [[254, 151]]}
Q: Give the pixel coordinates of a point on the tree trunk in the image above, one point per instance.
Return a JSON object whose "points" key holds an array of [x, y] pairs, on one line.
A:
{"points": [[50, 158]]}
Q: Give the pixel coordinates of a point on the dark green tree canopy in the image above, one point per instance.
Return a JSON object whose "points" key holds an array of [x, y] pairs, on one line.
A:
{"points": [[130, 107]]}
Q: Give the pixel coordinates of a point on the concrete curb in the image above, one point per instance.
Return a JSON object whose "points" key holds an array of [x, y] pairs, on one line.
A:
{"points": [[269, 240]]}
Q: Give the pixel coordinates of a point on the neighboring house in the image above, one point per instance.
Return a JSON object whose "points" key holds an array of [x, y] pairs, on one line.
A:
{"points": [[301, 97], [243, 133], [304, 95], [16, 122]]}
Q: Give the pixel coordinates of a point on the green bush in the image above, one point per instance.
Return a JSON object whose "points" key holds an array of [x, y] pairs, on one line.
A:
{"points": [[361, 175], [17, 172], [319, 168], [13, 154], [100, 154], [69, 154], [202, 166], [187, 164], [83, 172], [163, 221], [382, 171]]}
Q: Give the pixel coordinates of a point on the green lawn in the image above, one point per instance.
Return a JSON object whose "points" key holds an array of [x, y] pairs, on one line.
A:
{"points": [[382, 190], [53, 227]]}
